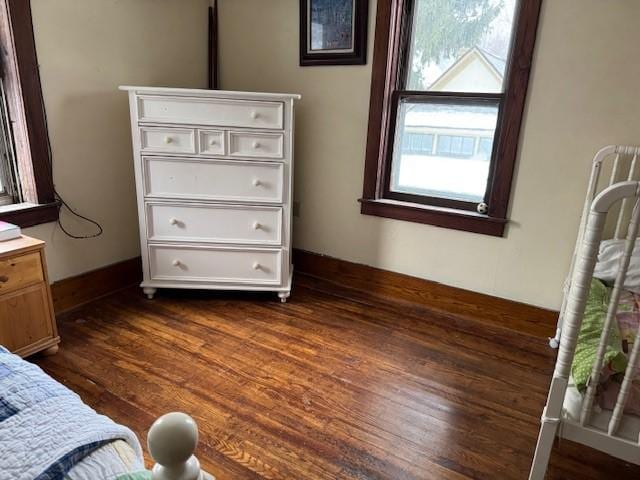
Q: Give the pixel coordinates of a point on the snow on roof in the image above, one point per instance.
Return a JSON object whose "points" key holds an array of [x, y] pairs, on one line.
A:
{"points": [[451, 116], [496, 62]]}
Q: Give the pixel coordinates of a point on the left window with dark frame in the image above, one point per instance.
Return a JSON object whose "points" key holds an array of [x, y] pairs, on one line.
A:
{"points": [[27, 195]]}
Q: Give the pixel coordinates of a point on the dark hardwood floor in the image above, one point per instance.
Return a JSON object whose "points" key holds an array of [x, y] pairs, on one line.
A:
{"points": [[333, 385]]}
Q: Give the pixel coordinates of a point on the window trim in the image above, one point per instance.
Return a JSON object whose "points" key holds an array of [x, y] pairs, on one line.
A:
{"points": [[28, 115], [391, 40]]}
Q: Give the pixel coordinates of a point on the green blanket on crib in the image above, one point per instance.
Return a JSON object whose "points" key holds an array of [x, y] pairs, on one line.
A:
{"points": [[595, 313]]}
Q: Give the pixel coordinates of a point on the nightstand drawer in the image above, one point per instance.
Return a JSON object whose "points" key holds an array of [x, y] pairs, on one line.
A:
{"points": [[20, 271]]}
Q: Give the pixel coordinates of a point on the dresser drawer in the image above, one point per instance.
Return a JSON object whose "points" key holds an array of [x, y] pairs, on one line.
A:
{"points": [[20, 271], [212, 142], [222, 180], [211, 111], [214, 223], [167, 140], [254, 144], [228, 265]]}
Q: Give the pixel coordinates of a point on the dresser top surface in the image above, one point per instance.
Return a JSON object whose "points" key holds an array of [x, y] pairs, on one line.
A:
{"points": [[196, 92], [18, 245]]}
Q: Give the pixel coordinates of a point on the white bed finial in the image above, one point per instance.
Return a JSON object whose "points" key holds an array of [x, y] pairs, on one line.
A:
{"points": [[172, 439]]}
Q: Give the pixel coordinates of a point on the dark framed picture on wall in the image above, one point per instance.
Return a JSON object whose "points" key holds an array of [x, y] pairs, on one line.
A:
{"points": [[333, 32]]}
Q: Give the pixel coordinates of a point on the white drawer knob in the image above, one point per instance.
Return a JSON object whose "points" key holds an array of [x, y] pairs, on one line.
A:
{"points": [[254, 114], [173, 221], [168, 140], [176, 263], [212, 142], [256, 144], [256, 225], [256, 266], [256, 182]]}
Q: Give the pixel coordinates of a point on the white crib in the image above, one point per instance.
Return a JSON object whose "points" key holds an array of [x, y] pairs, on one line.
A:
{"points": [[610, 211]]}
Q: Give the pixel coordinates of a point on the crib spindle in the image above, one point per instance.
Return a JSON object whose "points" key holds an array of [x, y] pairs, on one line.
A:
{"points": [[587, 404], [591, 193], [172, 439], [625, 389], [625, 201]]}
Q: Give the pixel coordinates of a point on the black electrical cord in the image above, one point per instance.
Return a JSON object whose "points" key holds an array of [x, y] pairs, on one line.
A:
{"points": [[63, 203], [76, 214]]}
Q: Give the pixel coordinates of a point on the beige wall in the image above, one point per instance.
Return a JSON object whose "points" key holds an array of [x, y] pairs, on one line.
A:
{"points": [[578, 101], [583, 95], [86, 48]]}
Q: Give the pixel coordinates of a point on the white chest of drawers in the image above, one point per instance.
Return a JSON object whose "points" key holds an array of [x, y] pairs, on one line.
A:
{"points": [[214, 174]]}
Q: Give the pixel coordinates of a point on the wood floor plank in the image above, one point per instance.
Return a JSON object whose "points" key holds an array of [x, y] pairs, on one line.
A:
{"points": [[324, 387]]}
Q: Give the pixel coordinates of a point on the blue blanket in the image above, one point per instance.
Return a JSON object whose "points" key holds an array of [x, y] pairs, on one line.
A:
{"points": [[45, 428]]}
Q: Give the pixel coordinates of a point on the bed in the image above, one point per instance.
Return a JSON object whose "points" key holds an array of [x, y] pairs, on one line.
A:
{"points": [[594, 397], [48, 433]]}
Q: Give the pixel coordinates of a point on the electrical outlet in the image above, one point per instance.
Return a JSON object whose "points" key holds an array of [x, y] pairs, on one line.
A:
{"points": [[296, 209]]}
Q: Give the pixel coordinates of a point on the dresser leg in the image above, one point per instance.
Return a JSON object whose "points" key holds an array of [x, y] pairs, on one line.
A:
{"points": [[149, 292], [51, 350], [283, 296]]}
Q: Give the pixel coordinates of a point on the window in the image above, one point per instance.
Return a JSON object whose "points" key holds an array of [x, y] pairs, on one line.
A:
{"points": [[9, 192], [25, 169], [447, 97]]}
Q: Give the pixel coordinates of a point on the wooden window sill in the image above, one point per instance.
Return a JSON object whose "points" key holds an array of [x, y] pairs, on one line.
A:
{"points": [[28, 215], [439, 216]]}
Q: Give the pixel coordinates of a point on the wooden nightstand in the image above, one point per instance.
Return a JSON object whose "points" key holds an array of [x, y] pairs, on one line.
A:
{"points": [[27, 321]]}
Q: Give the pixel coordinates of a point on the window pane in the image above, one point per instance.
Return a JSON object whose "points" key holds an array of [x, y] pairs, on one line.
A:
{"points": [[460, 45], [8, 182], [458, 168], [417, 143], [485, 146]]}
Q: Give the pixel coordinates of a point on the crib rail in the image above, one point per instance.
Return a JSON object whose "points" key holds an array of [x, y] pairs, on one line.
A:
{"points": [[619, 170], [583, 268]]}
